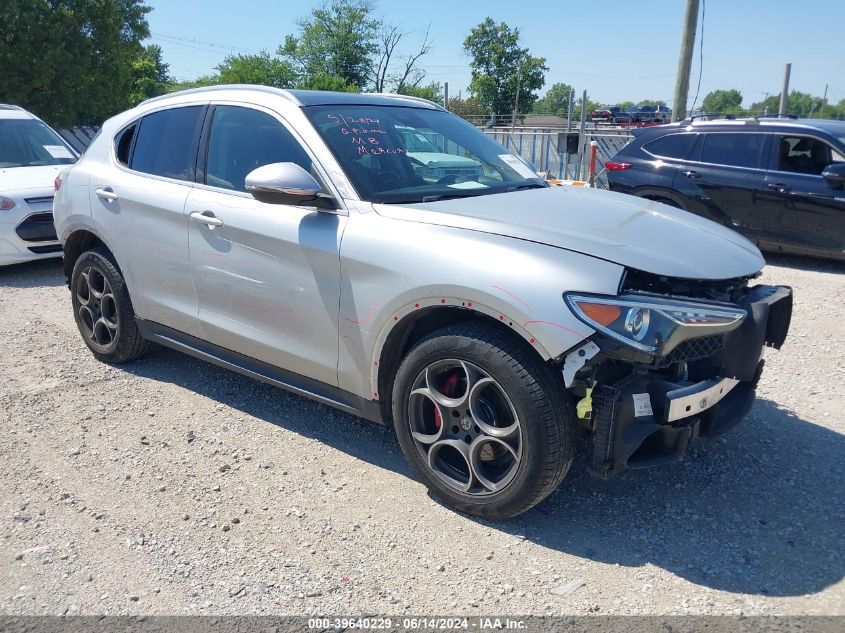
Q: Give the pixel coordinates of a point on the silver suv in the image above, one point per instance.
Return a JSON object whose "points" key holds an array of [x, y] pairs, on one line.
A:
{"points": [[293, 236]]}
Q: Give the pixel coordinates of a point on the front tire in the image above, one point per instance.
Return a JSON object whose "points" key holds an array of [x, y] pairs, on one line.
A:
{"points": [[103, 310], [482, 420]]}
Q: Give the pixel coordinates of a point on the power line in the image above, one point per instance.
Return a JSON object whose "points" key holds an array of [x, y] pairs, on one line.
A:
{"points": [[202, 43]]}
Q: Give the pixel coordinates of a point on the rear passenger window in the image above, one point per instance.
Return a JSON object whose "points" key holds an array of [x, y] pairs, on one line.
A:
{"points": [[737, 150], [166, 144], [670, 146], [243, 139]]}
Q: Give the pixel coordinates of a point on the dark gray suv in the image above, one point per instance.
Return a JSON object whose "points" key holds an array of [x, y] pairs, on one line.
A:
{"points": [[779, 182]]}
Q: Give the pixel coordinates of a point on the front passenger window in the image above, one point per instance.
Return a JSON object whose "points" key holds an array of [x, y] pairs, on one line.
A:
{"points": [[243, 139], [805, 155]]}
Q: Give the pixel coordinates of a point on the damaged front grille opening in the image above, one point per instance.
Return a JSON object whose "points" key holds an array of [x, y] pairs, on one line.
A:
{"points": [[644, 410], [692, 349], [722, 290]]}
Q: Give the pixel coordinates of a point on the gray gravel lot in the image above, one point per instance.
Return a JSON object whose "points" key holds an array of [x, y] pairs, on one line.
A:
{"points": [[171, 486]]}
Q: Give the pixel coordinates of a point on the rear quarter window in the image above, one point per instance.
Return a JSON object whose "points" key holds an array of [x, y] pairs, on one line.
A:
{"points": [[167, 143], [123, 144], [735, 150], [671, 146]]}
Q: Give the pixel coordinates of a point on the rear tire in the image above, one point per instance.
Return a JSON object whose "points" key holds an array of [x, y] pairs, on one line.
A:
{"points": [[482, 420], [103, 310]]}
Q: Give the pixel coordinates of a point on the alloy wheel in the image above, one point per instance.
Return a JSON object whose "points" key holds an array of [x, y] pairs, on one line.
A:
{"points": [[465, 427], [97, 309]]}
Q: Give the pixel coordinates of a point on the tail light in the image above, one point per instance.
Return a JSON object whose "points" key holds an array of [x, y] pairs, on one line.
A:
{"points": [[6, 204], [614, 166], [57, 184]]}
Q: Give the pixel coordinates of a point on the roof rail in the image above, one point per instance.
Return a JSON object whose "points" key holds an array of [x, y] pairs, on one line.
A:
{"points": [[276, 91], [709, 116]]}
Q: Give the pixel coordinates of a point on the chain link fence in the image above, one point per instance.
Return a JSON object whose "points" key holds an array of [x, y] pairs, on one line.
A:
{"points": [[545, 149]]}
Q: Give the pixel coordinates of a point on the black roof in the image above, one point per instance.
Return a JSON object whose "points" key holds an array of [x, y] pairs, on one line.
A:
{"points": [[768, 124], [323, 97]]}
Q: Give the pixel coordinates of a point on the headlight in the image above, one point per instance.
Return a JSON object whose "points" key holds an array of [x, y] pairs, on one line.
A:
{"points": [[653, 324]]}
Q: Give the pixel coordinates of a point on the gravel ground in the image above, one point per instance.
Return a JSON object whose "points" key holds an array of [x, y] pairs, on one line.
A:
{"points": [[169, 486]]}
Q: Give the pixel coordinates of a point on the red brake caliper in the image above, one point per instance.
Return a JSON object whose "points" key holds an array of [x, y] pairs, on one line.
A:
{"points": [[449, 388]]}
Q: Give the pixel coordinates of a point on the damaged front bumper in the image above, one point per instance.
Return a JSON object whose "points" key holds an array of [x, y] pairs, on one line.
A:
{"points": [[650, 414]]}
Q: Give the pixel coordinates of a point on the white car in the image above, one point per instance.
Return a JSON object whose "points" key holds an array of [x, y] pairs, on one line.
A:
{"points": [[31, 157], [434, 165]]}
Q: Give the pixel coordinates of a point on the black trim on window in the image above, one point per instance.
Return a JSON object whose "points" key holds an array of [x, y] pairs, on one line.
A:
{"points": [[201, 162], [132, 129]]}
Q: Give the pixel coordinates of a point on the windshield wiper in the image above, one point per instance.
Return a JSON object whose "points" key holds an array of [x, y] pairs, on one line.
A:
{"points": [[533, 185], [437, 197], [450, 196]]}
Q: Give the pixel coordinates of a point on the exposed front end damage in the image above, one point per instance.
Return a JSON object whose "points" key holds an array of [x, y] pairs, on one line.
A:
{"points": [[690, 371]]}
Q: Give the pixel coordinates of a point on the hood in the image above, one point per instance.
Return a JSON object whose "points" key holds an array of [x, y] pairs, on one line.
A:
{"points": [[435, 159], [14, 179], [626, 230]]}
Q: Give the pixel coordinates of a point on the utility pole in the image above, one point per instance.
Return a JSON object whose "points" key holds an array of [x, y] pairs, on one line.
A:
{"points": [[784, 95], [446, 94], [679, 106], [516, 100], [824, 102]]}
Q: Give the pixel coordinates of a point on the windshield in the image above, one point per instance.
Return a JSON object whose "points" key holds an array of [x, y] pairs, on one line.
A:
{"points": [[27, 142], [402, 155]]}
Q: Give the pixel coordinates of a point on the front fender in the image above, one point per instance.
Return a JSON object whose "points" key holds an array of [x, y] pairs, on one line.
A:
{"points": [[393, 268]]}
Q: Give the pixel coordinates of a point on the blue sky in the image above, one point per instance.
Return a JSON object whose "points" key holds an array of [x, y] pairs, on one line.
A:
{"points": [[620, 52]]}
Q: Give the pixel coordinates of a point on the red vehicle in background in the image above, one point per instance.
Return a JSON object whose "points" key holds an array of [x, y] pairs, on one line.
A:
{"points": [[610, 114]]}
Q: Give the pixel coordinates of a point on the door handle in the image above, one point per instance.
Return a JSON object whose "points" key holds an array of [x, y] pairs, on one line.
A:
{"points": [[207, 218], [691, 174], [106, 193], [779, 187]]}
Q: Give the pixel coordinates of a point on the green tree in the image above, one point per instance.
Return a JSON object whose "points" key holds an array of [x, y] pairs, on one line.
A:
{"points": [[497, 62], [591, 105], [326, 81], [800, 104], [150, 75], [555, 101], [726, 101], [262, 69], [70, 61], [199, 82], [652, 102], [467, 107], [626, 105], [432, 92], [336, 39]]}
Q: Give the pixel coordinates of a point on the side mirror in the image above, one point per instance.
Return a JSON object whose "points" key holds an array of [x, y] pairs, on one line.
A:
{"points": [[834, 174], [287, 183]]}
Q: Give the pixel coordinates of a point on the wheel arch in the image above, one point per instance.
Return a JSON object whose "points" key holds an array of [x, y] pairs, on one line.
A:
{"points": [[401, 333], [76, 243], [658, 194]]}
